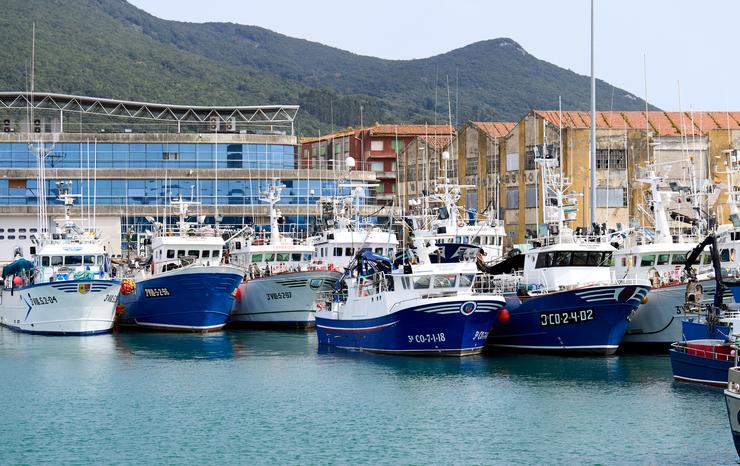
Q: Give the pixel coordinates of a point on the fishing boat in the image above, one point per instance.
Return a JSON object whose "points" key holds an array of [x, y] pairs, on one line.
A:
{"points": [[707, 349], [660, 259], [565, 298], [67, 289], [732, 400], [440, 215], [424, 308], [281, 278], [343, 234], [182, 286]]}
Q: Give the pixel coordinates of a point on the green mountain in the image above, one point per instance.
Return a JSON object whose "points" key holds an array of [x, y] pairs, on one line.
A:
{"points": [[109, 48]]}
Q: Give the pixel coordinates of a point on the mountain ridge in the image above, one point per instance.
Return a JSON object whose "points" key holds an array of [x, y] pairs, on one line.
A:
{"points": [[110, 48]]}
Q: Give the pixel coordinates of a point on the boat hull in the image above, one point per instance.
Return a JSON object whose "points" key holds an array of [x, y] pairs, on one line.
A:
{"points": [[420, 327], [190, 299], [657, 322], [73, 307], [733, 412], [285, 300], [586, 320], [693, 367]]}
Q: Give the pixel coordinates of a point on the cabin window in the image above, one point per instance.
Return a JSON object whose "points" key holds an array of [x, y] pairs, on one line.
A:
{"points": [[193, 253], [170, 254], [206, 254], [663, 259], [466, 280], [338, 252], [283, 256], [581, 258], [562, 258], [725, 255], [238, 245], [45, 261], [101, 259], [295, 257], [57, 260], [544, 259], [180, 253], [22, 237], [476, 240], [269, 257], [216, 253], [307, 256], [21, 230], [257, 258], [647, 261], [594, 259], [444, 281], [390, 252], [678, 259], [707, 259], [89, 260], [624, 261], [422, 283], [11, 236], [406, 283], [378, 250], [349, 252], [72, 260]]}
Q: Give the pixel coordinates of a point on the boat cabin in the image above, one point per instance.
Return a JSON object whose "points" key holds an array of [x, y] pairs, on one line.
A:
{"points": [[172, 252], [58, 262], [564, 265]]}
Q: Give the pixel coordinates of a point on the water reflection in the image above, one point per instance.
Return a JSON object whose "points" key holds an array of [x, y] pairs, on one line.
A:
{"points": [[176, 345], [518, 367]]}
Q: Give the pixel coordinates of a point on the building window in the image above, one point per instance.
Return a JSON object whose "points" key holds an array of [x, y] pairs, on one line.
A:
{"points": [[512, 198], [170, 156], [512, 162], [397, 145], [530, 196], [611, 197], [17, 184], [531, 153], [614, 159], [376, 145], [376, 166]]}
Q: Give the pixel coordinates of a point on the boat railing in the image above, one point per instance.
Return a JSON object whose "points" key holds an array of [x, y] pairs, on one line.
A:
{"points": [[706, 351], [514, 283]]}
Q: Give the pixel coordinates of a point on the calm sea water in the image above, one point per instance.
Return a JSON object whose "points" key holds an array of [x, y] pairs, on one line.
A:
{"points": [[272, 398]]}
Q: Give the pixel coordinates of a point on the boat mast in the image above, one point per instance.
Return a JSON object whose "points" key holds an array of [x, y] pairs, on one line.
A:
{"points": [[592, 164]]}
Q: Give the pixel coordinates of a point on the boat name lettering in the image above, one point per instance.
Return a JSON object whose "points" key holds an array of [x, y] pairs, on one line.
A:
{"points": [[479, 335], [428, 338], [279, 295], [565, 318], [41, 300], [110, 298], [156, 292]]}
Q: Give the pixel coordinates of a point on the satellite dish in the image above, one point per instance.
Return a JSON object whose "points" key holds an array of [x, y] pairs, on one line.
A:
{"points": [[350, 162]]}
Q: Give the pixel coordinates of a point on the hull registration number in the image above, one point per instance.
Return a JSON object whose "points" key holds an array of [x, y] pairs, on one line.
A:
{"points": [[566, 318]]}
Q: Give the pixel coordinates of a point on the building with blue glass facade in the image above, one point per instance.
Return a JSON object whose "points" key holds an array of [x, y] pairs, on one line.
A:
{"points": [[128, 160]]}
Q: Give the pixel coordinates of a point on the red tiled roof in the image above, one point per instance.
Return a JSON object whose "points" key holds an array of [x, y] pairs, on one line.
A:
{"points": [[662, 123], [410, 130], [494, 129]]}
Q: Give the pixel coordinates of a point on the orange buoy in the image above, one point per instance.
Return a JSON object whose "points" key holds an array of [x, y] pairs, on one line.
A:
{"points": [[120, 309], [504, 315], [17, 281]]}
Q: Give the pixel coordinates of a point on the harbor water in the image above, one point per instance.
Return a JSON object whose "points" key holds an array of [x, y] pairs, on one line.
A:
{"points": [[258, 397]]}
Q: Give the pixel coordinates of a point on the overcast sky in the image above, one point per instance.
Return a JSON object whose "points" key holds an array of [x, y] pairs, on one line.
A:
{"points": [[693, 43]]}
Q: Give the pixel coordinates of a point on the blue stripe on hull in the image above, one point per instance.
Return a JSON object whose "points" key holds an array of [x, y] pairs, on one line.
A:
{"points": [[57, 334], [698, 369], [196, 302], [610, 308], [412, 331], [734, 414]]}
